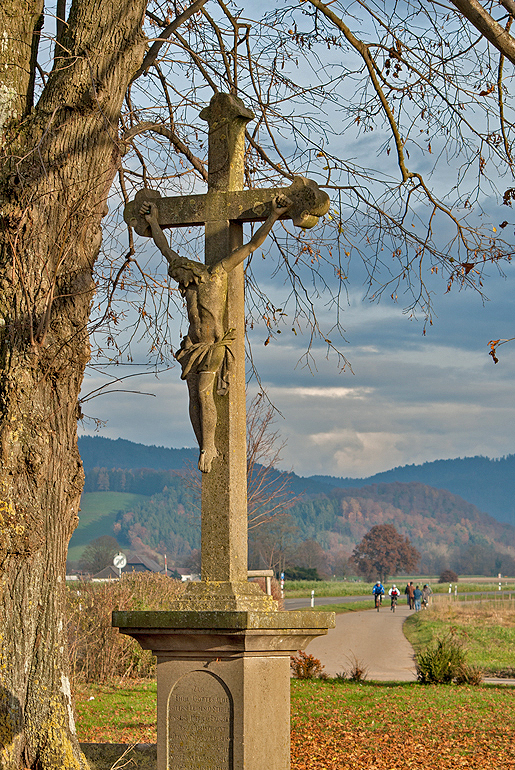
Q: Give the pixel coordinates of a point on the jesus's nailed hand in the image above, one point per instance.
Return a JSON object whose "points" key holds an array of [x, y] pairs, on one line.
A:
{"points": [[281, 204], [149, 211]]}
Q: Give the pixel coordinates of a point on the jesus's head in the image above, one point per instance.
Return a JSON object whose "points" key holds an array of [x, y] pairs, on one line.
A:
{"points": [[187, 272]]}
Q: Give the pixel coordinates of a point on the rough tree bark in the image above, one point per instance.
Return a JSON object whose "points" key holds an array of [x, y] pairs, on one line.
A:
{"points": [[58, 161]]}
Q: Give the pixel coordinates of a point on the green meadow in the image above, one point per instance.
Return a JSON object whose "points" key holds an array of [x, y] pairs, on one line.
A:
{"points": [[97, 515]]}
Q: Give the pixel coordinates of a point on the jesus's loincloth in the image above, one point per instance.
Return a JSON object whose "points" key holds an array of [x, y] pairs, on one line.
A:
{"points": [[198, 357]]}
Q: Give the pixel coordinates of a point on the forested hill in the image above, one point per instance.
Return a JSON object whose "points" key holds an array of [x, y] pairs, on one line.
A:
{"points": [[446, 529], [488, 484], [100, 452], [419, 511]]}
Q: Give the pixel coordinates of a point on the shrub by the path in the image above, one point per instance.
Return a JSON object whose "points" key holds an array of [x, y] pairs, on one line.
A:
{"points": [[305, 666], [444, 661]]}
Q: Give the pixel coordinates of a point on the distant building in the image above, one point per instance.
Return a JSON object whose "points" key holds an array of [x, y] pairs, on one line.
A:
{"points": [[139, 563], [108, 573], [135, 563], [187, 575]]}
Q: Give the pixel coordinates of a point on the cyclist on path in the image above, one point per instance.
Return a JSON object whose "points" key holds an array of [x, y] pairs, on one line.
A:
{"points": [[378, 592], [393, 593]]}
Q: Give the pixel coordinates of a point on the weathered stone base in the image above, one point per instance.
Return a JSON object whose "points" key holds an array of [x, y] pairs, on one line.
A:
{"points": [[239, 596], [104, 756], [223, 684]]}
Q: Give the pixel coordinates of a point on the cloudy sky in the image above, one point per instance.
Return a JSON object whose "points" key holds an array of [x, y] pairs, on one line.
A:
{"points": [[410, 398]]}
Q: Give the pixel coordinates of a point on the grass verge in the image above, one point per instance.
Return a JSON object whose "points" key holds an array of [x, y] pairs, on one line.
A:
{"points": [[487, 630], [366, 604]]}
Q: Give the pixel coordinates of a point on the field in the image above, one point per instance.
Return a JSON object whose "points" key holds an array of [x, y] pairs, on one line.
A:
{"points": [[342, 725], [346, 726], [97, 515], [300, 589]]}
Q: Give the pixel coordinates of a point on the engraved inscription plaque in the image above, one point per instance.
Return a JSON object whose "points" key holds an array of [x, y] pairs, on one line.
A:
{"points": [[200, 723]]}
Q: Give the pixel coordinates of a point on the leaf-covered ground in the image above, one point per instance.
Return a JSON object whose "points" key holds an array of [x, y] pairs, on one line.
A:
{"points": [[347, 726], [381, 727]]}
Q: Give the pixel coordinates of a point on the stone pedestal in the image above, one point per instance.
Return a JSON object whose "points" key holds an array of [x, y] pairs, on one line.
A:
{"points": [[223, 683]]}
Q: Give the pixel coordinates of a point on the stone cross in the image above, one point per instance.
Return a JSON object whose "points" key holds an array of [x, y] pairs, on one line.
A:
{"points": [[223, 210]]}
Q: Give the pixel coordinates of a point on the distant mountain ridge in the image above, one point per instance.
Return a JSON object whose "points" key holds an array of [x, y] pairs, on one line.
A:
{"points": [[448, 528], [488, 484], [100, 452]]}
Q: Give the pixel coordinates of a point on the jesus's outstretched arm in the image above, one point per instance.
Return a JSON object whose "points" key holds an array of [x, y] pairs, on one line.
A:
{"points": [[280, 206], [150, 212]]}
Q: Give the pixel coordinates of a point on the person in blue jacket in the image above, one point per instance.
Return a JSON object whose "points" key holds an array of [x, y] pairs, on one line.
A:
{"points": [[378, 590]]}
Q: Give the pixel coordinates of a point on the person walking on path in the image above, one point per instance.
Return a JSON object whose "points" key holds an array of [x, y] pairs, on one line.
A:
{"points": [[417, 596], [426, 593], [409, 591]]}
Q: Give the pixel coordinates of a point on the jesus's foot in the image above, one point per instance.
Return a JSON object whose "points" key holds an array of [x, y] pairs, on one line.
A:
{"points": [[205, 459]]}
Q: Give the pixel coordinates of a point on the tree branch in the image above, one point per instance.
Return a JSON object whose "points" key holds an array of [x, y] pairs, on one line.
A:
{"points": [[152, 54], [159, 128], [489, 28], [362, 49]]}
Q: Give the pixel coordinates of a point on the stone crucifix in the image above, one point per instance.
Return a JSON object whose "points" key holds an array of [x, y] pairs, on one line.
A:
{"points": [[212, 354]]}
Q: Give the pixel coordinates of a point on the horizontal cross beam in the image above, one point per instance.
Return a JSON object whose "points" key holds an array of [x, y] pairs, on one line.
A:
{"points": [[308, 204]]}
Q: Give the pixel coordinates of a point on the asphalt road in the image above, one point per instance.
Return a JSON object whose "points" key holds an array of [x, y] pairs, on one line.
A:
{"points": [[374, 639]]}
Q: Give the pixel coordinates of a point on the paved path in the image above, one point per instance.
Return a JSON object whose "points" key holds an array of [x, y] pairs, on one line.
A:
{"points": [[305, 603], [374, 638]]}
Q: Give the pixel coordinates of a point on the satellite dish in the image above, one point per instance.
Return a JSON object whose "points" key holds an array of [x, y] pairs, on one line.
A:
{"points": [[120, 560]]}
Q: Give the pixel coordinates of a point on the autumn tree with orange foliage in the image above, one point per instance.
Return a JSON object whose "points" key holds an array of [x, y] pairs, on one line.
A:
{"points": [[383, 551]]}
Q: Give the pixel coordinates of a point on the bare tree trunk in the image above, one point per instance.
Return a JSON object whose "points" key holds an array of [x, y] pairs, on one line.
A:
{"points": [[58, 162]]}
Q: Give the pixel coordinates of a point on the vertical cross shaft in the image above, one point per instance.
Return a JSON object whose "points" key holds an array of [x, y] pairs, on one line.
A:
{"points": [[224, 489], [222, 210]]}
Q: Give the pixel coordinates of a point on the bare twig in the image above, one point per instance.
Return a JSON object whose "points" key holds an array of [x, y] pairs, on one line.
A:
{"points": [[165, 35]]}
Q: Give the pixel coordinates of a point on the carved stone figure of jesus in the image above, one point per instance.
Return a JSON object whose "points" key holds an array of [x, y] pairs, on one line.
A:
{"points": [[205, 353]]}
